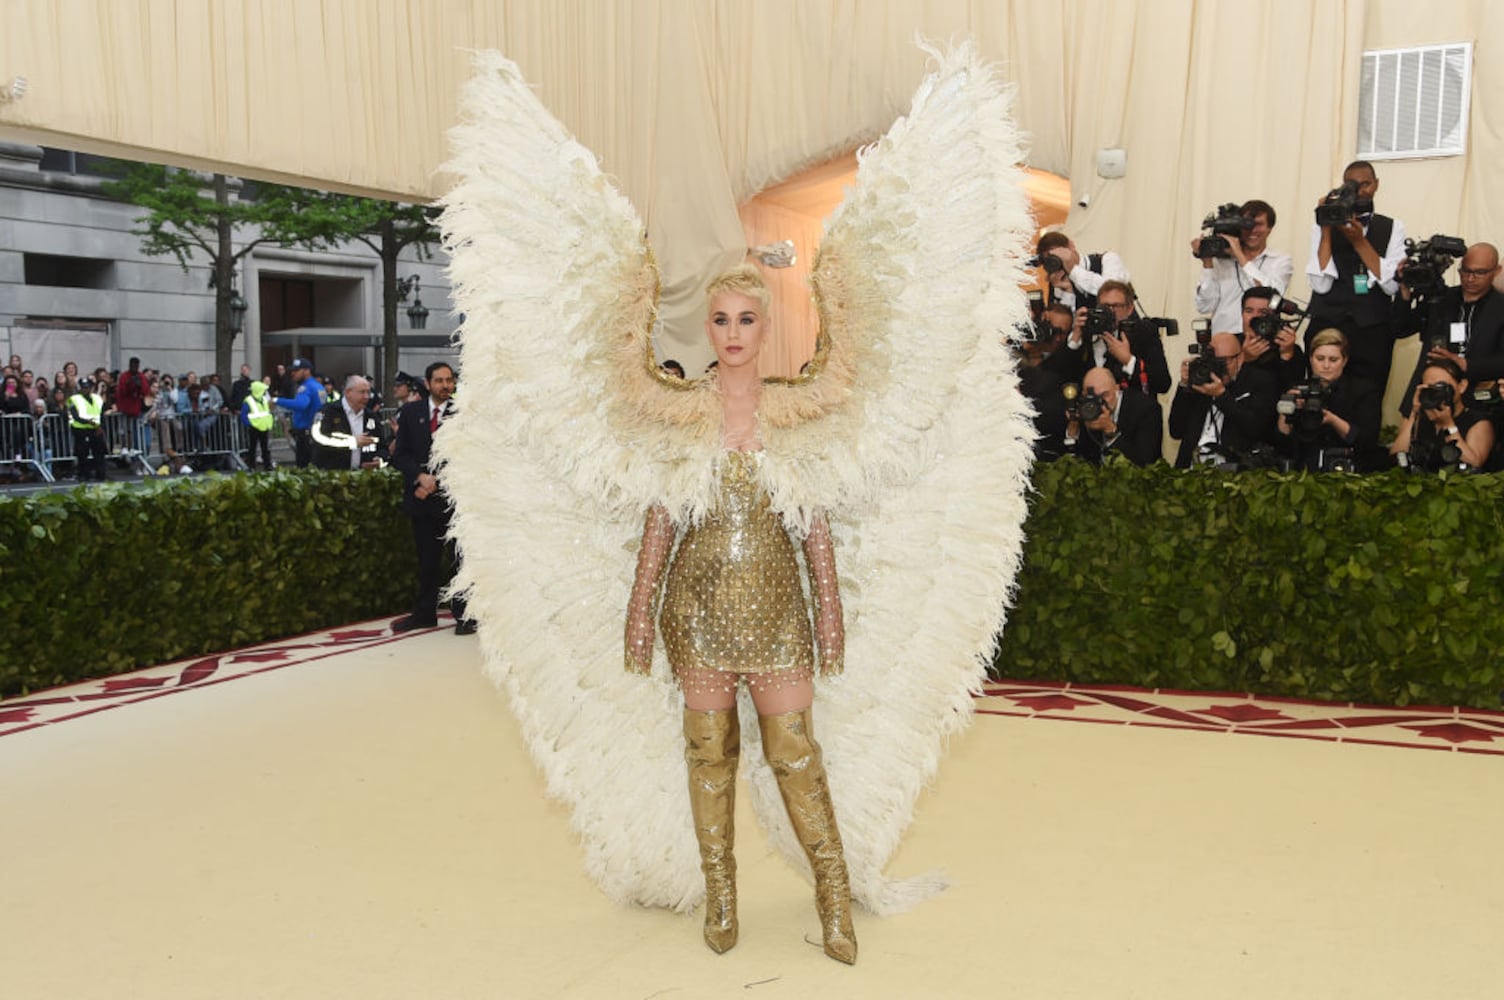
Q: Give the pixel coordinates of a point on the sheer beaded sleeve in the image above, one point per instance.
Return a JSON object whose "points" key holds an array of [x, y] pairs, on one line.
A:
{"points": [[652, 559], [830, 631]]}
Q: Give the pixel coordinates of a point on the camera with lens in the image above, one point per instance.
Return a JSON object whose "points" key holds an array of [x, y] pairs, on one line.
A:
{"points": [[1282, 312], [1204, 366], [1305, 397], [1342, 205], [1227, 220], [1038, 331], [1090, 406], [1426, 263], [1485, 394], [1100, 320], [1201, 329], [1052, 264], [1435, 397]]}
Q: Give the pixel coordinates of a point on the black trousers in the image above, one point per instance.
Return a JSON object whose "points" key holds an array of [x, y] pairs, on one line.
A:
{"points": [[88, 449], [302, 448], [428, 535], [263, 441]]}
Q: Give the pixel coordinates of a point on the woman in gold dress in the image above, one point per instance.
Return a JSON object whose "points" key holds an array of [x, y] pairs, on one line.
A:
{"points": [[733, 610]]}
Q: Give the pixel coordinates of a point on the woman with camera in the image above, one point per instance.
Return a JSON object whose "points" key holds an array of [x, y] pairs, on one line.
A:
{"points": [[1331, 421], [1442, 432]]}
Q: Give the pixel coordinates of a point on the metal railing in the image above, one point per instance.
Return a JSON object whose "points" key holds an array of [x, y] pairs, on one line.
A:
{"points": [[45, 444]]}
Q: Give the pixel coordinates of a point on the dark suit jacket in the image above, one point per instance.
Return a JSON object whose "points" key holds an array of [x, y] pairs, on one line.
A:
{"points": [[1484, 349], [1358, 402], [1151, 375], [1042, 388], [1140, 430], [333, 424], [410, 453], [1247, 409]]}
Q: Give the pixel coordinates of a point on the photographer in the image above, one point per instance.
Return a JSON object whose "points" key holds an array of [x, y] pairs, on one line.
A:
{"points": [[1241, 262], [1071, 280], [1355, 255], [1464, 325], [1114, 336], [1332, 420], [1268, 343], [1105, 419], [1040, 384], [1222, 410], [1442, 432]]}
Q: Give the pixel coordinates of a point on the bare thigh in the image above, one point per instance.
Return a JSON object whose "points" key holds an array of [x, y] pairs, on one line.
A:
{"points": [[773, 694]]}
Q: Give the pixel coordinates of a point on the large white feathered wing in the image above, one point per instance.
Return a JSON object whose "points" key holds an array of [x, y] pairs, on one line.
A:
{"points": [[925, 466], [551, 272]]}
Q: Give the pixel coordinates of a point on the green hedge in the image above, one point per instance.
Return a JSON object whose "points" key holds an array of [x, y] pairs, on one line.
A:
{"points": [[1379, 588], [99, 581]]}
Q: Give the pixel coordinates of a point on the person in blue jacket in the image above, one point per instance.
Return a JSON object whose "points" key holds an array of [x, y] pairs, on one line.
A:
{"points": [[304, 409]]}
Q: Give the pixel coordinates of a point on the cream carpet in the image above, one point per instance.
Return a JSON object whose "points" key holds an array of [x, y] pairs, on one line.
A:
{"points": [[363, 823]]}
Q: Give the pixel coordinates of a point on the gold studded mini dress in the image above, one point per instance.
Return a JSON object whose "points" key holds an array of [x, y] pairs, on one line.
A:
{"points": [[733, 603]]}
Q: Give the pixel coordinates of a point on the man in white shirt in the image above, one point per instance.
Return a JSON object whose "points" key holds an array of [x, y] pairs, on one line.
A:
{"points": [[1073, 280], [1249, 264], [1352, 271]]}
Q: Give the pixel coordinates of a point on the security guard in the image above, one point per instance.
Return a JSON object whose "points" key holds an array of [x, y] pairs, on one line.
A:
{"points": [[256, 414], [85, 417]]}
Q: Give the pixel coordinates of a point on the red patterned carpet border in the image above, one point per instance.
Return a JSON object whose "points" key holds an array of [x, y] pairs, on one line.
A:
{"points": [[46, 708], [1461, 730], [1455, 729]]}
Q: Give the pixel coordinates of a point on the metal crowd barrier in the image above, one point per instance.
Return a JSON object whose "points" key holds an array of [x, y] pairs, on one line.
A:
{"points": [[45, 444]]}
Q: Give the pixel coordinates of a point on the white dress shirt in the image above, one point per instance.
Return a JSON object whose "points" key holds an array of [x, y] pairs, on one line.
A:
{"points": [[1088, 282], [1219, 293], [1322, 277]]}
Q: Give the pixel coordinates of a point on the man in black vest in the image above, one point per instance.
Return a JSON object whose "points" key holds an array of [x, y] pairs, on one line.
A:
{"points": [[1073, 280], [423, 499], [1352, 271], [1464, 324]]}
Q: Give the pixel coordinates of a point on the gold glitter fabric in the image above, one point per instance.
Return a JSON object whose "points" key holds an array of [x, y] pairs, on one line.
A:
{"points": [[733, 604]]}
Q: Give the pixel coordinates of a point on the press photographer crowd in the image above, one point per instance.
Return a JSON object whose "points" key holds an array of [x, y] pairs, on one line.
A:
{"points": [[1271, 382]]}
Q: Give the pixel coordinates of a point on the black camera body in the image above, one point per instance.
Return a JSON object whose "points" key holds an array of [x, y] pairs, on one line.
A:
{"points": [[1282, 312], [1100, 320], [1486, 394], [1202, 330], [1227, 220], [1427, 261], [1204, 366], [1052, 265], [1305, 399], [1435, 397], [1090, 406], [1342, 205]]}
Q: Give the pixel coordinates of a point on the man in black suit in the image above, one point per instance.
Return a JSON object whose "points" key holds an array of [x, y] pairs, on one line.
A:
{"points": [[1222, 414], [345, 435], [1464, 324], [1131, 349], [1129, 423], [423, 499]]}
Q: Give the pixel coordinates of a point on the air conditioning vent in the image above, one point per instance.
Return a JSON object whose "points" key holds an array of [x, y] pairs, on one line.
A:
{"points": [[1414, 102]]}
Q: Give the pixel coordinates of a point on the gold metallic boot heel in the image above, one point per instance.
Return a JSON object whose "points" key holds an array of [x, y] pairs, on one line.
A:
{"points": [[712, 745], [789, 744]]}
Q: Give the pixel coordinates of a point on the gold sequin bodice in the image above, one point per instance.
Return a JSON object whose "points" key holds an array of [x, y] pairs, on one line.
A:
{"points": [[733, 600]]}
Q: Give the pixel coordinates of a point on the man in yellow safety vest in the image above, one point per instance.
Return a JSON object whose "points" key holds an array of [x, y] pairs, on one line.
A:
{"points": [[85, 416], [256, 414]]}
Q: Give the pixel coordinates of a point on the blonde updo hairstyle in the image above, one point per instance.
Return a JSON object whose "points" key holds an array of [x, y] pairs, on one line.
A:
{"points": [[1330, 337], [744, 279]]}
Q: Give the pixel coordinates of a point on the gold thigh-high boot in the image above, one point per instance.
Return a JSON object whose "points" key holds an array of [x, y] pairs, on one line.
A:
{"points": [[712, 745], [789, 744]]}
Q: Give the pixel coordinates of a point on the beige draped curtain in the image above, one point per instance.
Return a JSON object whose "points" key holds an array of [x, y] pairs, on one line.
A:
{"points": [[697, 105]]}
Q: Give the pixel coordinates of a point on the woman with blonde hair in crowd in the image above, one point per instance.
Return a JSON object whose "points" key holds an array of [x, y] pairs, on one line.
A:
{"points": [[1344, 432]]}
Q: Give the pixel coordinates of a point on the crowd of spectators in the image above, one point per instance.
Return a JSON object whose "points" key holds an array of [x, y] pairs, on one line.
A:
{"points": [[1272, 383], [174, 423]]}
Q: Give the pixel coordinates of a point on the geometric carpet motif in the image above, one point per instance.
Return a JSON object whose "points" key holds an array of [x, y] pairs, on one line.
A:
{"points": [[1459, 730]]}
